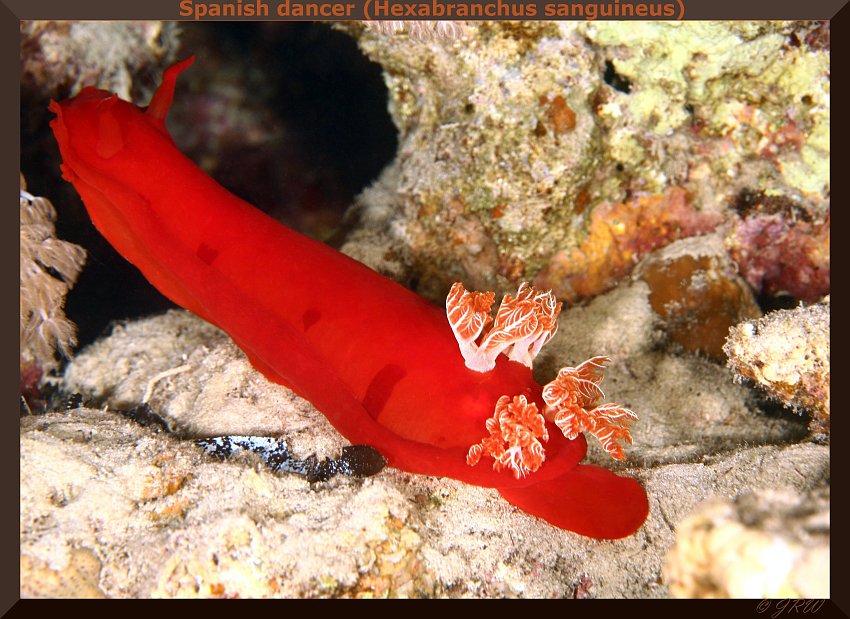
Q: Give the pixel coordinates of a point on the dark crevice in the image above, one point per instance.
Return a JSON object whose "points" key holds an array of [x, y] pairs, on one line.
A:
{"points": [[615, 80]]}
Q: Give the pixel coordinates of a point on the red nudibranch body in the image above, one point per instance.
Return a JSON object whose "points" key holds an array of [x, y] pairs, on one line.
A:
{"points": [[381, 363]]}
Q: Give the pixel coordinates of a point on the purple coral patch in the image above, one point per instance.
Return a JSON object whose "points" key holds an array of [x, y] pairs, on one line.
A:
{"points": [[777, 255]]}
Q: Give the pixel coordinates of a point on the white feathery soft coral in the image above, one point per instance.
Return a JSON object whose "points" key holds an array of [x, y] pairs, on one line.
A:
{"points": [[49, 269], [522, 326], [571, 404], [424, 30]]}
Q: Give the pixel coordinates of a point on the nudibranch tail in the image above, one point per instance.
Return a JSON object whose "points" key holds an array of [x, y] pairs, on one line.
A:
{"points": [[589, 500], [572, 404], [523, 324]]}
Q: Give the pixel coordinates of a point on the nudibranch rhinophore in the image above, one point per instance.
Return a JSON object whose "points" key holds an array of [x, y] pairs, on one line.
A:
{"points": [[434, 395]]}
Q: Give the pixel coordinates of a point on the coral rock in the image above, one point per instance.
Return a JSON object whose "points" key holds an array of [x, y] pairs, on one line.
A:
{"points": [[619, 235], [68, 55], [695, 289], [777, 254], [770, 544], [787, 354]]}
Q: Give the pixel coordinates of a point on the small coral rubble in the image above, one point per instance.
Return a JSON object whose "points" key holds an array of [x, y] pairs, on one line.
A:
{"points": [[787, 354], [763, 544]]}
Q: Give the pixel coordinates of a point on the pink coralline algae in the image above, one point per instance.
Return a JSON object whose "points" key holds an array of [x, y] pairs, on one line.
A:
{"points": [[777, 255]]}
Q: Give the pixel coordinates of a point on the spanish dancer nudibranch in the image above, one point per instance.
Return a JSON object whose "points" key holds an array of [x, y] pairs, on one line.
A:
{"points": [[434, 395]]}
